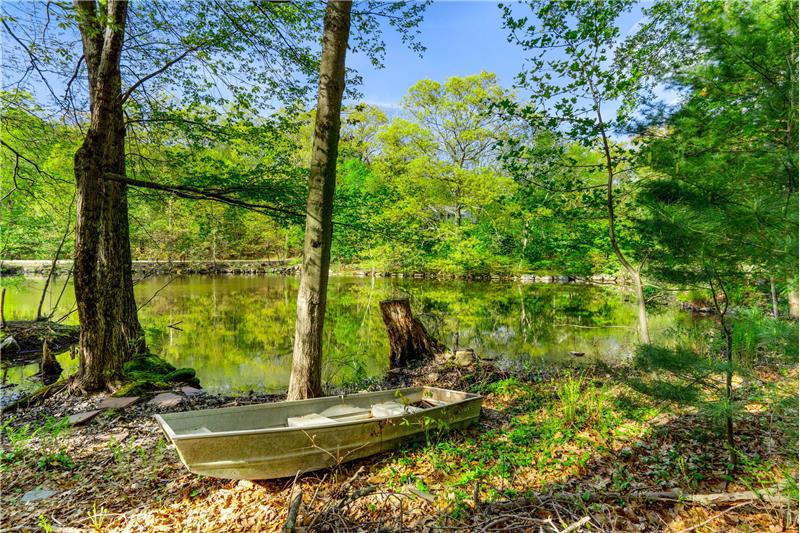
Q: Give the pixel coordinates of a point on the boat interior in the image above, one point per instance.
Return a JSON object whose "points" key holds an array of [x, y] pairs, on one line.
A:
{"points": [[315, 412]]}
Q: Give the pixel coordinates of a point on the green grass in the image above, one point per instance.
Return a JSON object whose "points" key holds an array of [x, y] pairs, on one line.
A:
{"points": [[554, 429]]}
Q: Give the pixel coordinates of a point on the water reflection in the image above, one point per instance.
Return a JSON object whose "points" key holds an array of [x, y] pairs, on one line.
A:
{"points": [[237, 331]]}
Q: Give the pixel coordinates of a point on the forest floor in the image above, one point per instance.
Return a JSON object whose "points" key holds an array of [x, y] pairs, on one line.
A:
{"points": [[560, 452]]}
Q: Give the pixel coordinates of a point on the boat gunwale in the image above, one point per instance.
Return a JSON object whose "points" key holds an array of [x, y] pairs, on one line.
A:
{"points": [[165, 426]]}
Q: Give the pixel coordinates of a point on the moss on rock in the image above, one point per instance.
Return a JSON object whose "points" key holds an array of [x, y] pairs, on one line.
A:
{"points": [[148, 372]]}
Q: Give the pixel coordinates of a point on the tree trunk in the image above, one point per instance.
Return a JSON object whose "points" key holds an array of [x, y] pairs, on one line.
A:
{"points": [[722, 311], [644, 332], [638, 286], [3, 308], [51, 369], [110, 330], [306, 377], [408, 339], [794, 301], [774, 294]]}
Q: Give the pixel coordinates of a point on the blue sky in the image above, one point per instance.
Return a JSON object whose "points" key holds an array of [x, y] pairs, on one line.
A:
{"points": [[462, 37]]}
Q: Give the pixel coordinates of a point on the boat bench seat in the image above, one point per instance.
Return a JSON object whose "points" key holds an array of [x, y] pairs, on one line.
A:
{"points": [[387, 409], [308, 421]]}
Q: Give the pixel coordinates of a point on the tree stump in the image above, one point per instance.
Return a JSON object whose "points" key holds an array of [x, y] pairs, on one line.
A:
{"points": [[408, 339], [51, 369]]}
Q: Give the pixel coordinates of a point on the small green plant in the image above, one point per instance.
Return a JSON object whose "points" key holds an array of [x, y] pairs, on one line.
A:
{"points": [[43, 523], [97, 518], [59, 460]]}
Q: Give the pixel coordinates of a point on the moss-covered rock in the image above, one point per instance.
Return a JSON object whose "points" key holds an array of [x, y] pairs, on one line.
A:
{"points": [[183, 375], [146, 366], [148, 372]]}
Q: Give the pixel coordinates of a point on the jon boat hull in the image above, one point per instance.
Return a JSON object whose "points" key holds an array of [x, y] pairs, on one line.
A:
{"points": [[253, 442]]}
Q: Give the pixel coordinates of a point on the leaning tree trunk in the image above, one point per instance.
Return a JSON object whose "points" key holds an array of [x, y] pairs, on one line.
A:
{"points": [[638, 286], [306, 377], [408, 340], [110, 330]]}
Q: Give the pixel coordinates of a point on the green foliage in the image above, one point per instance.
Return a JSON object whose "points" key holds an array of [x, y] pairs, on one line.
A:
{"points": [[50, 453]]}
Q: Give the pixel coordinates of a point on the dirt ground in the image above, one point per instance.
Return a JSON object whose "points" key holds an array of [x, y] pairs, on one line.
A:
{"points": [[118, 473]]}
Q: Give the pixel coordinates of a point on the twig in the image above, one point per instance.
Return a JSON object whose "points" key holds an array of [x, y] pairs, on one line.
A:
{"points": [[173, 278], [576, 525]]}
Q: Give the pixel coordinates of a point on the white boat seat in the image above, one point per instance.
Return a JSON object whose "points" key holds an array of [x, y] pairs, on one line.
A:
{"points": [[310, 420], [387, 409], [346, 411]]}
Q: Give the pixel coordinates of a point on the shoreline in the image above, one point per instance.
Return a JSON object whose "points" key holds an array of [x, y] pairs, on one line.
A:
{"points": [[291, 267]]}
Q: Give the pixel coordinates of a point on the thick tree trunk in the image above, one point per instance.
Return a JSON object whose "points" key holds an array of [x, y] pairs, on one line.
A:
{"points": [[408, 339], [306, 377], [110, 330]]}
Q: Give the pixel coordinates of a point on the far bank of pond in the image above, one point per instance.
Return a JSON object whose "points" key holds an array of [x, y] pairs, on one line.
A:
{"points": [[237, 330]]}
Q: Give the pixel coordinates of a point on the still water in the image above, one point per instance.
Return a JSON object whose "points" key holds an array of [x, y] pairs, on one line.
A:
{"points": [[237, 331]]}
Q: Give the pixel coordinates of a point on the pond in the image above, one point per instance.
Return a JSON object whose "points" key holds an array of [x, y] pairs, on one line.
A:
{"points": [[237, 331]]}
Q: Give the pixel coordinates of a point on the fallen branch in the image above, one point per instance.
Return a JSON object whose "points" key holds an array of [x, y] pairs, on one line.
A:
{"points": [[576, 525], [294, 508], [769, 495]]}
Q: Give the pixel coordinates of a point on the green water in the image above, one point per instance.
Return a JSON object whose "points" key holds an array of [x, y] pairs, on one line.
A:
{"points": [[237, 331]]}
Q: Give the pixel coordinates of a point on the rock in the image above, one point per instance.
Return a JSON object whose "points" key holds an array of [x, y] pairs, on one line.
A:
{"points": [[464, 356], [187, 375], [9, 344], [119, 436], [166, 400], [37, 494], [192, 391], [118, 403], [81, 418]]}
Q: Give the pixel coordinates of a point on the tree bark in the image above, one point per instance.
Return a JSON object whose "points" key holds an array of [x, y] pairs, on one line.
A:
{"points": [[51, 369], [306, 377], [774, 294], [408, 339], [110, 329], [3, 308], [794, 301]]}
